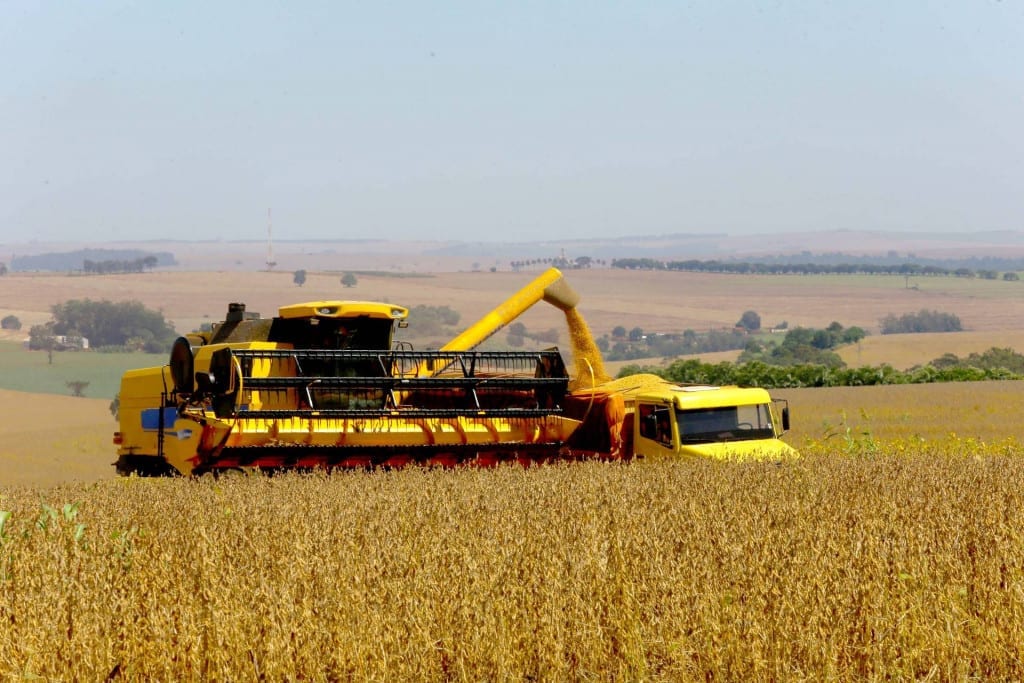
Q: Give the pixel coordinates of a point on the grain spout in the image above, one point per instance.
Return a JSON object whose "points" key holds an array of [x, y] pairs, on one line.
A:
{"points": [[586, 356]]}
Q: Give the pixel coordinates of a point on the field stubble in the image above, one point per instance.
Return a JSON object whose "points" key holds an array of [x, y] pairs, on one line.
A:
{"points": [[839, 566]]}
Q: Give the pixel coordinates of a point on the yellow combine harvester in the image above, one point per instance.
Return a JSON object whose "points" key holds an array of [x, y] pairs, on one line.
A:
{"points": [[323, 384]]}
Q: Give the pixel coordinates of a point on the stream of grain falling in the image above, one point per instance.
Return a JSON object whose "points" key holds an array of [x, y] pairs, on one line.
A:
{"points": [[586, 356]]}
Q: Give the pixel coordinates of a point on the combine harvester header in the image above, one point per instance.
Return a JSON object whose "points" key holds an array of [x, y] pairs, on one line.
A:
{"points": [[322, 384]]}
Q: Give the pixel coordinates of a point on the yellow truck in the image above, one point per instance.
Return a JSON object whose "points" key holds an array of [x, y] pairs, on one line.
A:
{"points": [[323, 384], [719, 422]]}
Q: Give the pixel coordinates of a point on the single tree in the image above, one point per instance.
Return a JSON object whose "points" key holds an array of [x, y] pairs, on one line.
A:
{"points": [[77, 387], [106, 323], [348, 280], [10, 322], [750, 321], [299, 277]]}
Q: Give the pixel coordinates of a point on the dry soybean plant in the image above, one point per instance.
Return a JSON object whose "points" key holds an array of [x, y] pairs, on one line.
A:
{"points": [[834, 567]]}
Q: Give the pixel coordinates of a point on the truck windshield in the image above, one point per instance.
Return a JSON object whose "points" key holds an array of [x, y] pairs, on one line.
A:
{"points": [[728, 423]]}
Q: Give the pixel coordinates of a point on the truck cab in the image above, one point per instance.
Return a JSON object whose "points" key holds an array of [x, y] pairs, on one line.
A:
{"points": [[724, 423]]}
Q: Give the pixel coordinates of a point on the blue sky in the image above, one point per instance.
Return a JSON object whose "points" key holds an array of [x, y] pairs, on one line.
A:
{"points": [[508, 121]]}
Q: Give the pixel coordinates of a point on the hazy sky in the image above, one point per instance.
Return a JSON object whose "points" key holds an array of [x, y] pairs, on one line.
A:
{"points": [[508, 121]]}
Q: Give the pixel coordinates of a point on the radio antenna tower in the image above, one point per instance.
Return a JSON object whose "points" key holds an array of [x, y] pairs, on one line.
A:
{"points": [[270, 244]]}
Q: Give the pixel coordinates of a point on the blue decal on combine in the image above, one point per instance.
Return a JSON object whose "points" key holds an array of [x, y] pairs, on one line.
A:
{"points": [[151, 418]]}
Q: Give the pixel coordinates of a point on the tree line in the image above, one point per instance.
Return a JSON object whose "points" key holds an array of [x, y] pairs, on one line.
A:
{"points": [[557, 262], [107, 325], [995, 364], [636, 344], [804, 345], [136, 265], [757, 268], [922, 321], [121, 260]]}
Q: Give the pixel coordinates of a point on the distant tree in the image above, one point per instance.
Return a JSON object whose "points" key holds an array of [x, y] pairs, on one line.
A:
{"points": [[105, 323], [821, 339], [299, 277], [549, 336], [636, 334], [994, 358], [77, 387], [754, 346], [432, 319], [10, 322], [852, 335], [922, 321], [516, 334], [349, 280], [750, 321], [1011, 276], [3, 269], [946, 360], [618, 331], [997, 358], [40, 338]]}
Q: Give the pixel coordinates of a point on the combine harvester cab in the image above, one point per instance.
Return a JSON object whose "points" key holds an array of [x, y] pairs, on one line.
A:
{"points": [[321, 385]]}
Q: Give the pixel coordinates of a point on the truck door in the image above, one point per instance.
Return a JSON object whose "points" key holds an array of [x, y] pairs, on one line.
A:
{"points": [[655, 431]]}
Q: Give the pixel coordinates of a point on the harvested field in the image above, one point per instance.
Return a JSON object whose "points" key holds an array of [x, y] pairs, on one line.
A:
{"points": [[903, 351], [47, 439], [666, 302], [654, 301]]}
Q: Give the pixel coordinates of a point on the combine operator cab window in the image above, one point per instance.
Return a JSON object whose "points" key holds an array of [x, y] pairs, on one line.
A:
{"points": [[729, 423]]}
